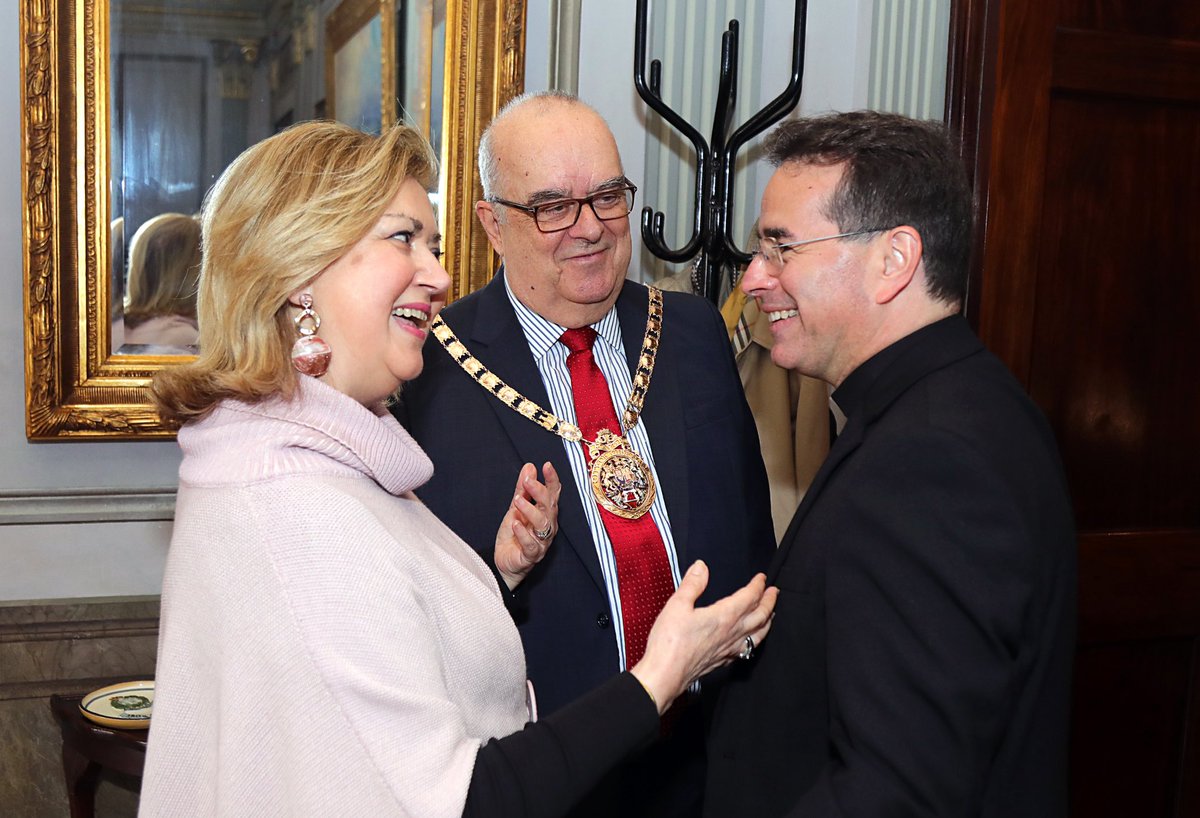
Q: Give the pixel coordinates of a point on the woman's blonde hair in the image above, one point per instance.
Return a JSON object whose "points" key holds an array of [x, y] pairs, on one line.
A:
{"points": [[164, 265], [286, 209]]}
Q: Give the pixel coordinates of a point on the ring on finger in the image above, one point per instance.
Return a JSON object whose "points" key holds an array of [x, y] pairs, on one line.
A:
{"points": [[748, 650], [543, 533]]}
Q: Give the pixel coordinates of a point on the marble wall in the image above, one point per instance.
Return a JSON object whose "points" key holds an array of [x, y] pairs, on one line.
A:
{"points": [[67, 648]]}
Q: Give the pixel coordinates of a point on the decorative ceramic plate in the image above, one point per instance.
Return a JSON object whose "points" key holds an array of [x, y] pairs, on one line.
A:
{"points": [[126, 705]]}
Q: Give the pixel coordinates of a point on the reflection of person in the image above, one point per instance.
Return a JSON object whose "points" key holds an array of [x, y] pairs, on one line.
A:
{"points": [[164, 264], [327, 646], [920, 659], [556, 209], [116, 282]]}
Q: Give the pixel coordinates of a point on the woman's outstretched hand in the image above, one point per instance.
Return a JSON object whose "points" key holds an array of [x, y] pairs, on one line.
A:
{"points": [[686, 642], [529, 525]]}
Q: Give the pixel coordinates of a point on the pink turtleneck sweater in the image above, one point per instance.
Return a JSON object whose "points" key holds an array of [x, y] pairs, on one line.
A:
{"points": [[327, 646]]}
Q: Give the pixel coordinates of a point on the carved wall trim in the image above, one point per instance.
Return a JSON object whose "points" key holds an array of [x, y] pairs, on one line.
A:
{"points": [[85, 506]]}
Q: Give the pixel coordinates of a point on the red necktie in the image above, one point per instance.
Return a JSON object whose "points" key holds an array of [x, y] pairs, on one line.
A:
{"points": [[643, 572]]}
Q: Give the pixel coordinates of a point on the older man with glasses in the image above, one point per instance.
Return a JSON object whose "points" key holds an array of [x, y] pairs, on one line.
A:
{"points": [[632, 395]]}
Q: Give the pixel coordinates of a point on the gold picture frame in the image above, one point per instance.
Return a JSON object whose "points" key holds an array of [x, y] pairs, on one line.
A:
{"points": [[348, 28], [75, 388]]}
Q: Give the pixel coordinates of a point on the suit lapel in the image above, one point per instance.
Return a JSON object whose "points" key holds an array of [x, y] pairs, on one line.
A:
{"points": [[499, 342], [847, 442], [662, 412]]}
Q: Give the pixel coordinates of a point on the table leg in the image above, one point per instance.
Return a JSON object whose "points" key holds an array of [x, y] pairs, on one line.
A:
{"points": [[82, 776]]}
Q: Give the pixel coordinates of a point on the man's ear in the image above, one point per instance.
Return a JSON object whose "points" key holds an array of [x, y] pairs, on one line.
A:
{"points": [[486, 213], [902, 256]]}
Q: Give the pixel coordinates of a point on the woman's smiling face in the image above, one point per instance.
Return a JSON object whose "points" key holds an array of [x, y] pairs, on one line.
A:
{"points": [[377, 300]]}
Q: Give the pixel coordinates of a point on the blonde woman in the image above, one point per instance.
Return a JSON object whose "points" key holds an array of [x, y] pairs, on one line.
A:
{"points": [[328, 647]]}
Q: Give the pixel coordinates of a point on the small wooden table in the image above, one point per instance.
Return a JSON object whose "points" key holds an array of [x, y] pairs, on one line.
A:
{"points": [[88, 749]]}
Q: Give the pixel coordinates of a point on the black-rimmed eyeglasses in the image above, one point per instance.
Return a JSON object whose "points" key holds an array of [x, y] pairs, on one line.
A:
{"points": [[561, 214]]}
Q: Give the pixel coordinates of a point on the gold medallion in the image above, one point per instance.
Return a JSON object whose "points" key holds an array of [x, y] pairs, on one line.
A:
{"points": [[621, 481]]}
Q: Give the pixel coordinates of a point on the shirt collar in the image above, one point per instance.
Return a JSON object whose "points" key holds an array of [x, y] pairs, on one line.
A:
{"points": [[856, 388], [542, 334]]}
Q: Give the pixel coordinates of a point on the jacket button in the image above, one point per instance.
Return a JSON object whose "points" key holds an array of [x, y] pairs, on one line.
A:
{"points": [[602, 620]]}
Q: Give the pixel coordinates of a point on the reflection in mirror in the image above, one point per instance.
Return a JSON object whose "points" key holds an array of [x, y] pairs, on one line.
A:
{"points": [[158, 316], [192, 84], [97, 92]]}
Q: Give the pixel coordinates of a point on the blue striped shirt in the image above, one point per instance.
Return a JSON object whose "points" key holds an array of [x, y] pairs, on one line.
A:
{"points": [[551, 358]]}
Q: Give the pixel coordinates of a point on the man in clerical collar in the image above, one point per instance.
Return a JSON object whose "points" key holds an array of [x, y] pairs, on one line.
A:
{"points": [[919, 661]]}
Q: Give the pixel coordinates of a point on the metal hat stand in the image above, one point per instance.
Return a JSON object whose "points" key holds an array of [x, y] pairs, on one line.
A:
{"points": [[711, 224]]}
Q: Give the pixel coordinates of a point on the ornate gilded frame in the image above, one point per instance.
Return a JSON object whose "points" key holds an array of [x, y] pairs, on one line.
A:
{"points": [[75, 389]]}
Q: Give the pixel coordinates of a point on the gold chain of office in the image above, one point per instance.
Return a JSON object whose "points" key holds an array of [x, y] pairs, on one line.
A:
{"points": [[621, 481]]}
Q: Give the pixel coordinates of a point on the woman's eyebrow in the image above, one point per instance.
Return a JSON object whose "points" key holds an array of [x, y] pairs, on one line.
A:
{"points": [[418, 225]]}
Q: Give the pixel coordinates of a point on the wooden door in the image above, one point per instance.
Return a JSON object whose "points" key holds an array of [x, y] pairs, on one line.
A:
{"points": [[1081, 121]]}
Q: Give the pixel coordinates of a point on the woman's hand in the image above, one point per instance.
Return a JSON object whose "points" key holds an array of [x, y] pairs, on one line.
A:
{"points": [[686, 642], [530, 524]]}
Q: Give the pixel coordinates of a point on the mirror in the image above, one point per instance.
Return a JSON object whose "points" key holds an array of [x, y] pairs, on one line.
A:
{"points": [[132, 109]]}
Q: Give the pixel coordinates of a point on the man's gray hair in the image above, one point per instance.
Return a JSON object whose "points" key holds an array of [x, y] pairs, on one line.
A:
{"points": [[487, 160]]}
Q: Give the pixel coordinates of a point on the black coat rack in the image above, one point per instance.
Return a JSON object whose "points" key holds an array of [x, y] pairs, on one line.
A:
{"points": [[711, 222]]}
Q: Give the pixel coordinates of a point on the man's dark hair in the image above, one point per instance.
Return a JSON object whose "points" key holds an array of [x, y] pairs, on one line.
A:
{"points": [[897, 171]]}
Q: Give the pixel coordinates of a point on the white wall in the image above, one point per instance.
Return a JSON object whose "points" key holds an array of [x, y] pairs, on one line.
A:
{"points": [[42, 556], [836, 69]]}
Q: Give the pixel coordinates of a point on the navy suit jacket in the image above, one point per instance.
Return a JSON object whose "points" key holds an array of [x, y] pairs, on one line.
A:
{"points": [[705, 450], [919, 661]]}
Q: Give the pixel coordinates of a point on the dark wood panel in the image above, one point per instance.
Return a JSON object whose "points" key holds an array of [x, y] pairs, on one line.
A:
{"points": [[1117, 294], [970, 91], [969, 77], [1189, 778], [1009, 266], [1125, 760], [1135, 735], [1118, 64], [1088, 175], [1139, 585], [1153, 18], [1135, 743]]}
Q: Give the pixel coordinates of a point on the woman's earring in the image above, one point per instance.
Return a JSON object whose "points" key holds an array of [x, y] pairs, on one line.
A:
{"points": [[310, 353]]}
